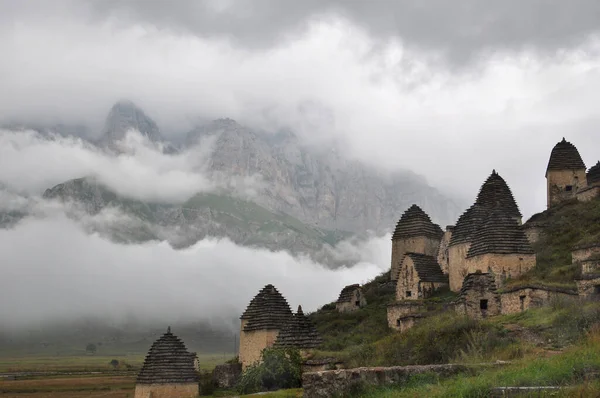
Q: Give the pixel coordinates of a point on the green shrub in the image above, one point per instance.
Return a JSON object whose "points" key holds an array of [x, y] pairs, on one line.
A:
{"points": [[279, 368]]}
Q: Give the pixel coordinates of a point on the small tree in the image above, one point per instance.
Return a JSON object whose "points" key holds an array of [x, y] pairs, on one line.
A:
{"points": [[91, 348], [114, 363]]}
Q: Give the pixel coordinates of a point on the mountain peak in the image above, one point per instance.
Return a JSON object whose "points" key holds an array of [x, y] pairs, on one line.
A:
{"points": [[125, 115]]}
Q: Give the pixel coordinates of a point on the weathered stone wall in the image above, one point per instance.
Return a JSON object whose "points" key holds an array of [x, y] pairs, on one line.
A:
{"points": [[227, 375], [407, 287], [358, 301], [252, 344], [503, 266], [558, 181], [401, 309], [586, 253], [320, 365], [443, 253], [530, 297], [457, 269], [481, 300], [339, 382], [419, 244], [187, 390], [588, 287], [589, 193]]}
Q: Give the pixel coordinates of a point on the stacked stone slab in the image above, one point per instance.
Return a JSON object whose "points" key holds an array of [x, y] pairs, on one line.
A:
{"points": [[420, 276], [168, 370], [265, 316], [494, 194], [565, 174], [351, 299], [299, 333], [415, 233]]}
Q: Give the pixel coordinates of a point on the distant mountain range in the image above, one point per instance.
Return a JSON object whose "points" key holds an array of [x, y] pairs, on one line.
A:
{"points": [[305, 198]]}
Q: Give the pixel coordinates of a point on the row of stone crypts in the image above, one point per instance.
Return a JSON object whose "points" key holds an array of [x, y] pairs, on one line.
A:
{"points": [[169, 370], [487, 245]]}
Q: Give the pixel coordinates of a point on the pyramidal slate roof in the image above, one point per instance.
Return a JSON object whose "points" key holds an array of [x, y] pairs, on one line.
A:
{"points": [[168, 361], [300, 333], [346, 293], [415, 222], [565, 156], [267, 310], [499, 234], [467, 224], [476, 281], [427, 268], [593, 174], [495, 194]]}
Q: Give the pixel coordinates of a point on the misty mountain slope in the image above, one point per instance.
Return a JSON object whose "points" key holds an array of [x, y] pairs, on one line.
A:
{"points": [[318, 186], [204, 215]]}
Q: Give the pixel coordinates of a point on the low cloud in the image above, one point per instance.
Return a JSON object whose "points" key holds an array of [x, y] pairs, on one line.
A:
{"points": [[31, 163], [53, 269]]}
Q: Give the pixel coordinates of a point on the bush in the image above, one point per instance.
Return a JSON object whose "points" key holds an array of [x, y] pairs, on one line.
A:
{"points": [[206, 383], [280, 368]]}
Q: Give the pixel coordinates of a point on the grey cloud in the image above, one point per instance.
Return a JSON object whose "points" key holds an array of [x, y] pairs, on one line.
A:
{"points": [[71, 275], [459, 29]]}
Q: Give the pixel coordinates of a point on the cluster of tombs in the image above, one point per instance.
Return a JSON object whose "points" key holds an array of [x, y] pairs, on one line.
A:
{"points": [[487, 246], [473, 258]]}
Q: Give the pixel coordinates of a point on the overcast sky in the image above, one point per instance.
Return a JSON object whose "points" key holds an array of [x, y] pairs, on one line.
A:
{"points": [[450, 90]]}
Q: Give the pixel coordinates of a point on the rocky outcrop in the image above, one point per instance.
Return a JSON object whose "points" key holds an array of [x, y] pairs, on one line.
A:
{"points": [[315, 185]]}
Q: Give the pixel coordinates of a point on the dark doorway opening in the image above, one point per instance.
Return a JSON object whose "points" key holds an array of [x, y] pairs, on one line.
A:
{"points": [[483, 304]]}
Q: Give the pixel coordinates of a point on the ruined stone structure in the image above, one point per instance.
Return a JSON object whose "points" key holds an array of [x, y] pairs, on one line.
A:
{"points": [[420, 275], [168, 370], [227, 375], [519, 299], [299, 333], [587, 256], [479, 296], [401, 315], [351, 299], [500, 247], [565, 174], [265, 316], [494, 195], [414, 233]]}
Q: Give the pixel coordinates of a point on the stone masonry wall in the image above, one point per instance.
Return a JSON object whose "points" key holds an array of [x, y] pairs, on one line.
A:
{"points": [[339, 382], [503, 266], [557, 181], [523, 299], [588, 194], [253, 343], [401, 309], [457, 265], [443, 254], [588, 287], [187, 390], [579, 255], [408, 281], [422, 245]]}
